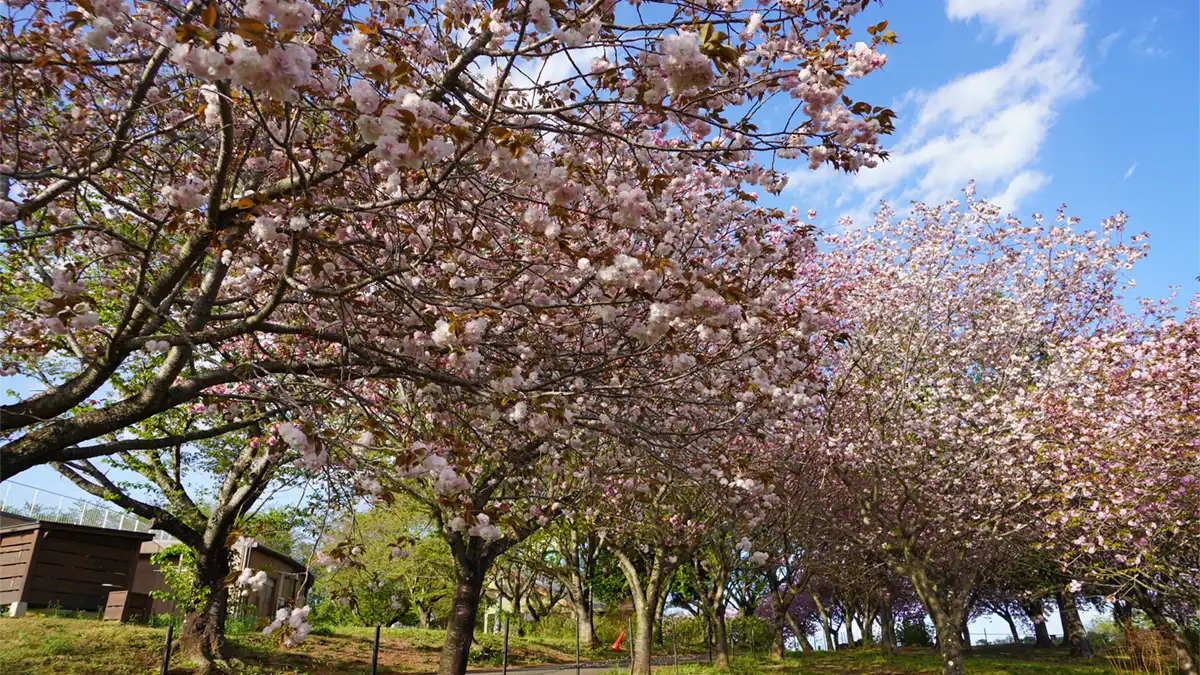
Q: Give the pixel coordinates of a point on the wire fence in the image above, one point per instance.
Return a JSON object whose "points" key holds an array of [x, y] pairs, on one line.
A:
{"points": [[40, 504]]}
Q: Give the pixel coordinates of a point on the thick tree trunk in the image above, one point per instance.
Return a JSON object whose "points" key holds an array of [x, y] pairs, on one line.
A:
{"points": [[777, 623], [887, 628], [202, 635], [1074, 634], [645, 603], [946, 612], [587, 629], [424, 614], [1185, 662], [1036, 610], [950, 645], [464, 609], [643, 638], [720, 638]]}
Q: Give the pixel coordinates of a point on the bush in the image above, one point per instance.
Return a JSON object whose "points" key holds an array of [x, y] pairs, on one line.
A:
{"points": [[1105, 633], [748, 633], [914, 633]]}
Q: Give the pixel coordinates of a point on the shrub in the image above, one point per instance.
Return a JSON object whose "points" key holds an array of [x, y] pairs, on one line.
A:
{"points": [[914, 633]]}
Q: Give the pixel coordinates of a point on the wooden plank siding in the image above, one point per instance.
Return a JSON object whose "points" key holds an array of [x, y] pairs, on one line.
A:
{"points": [[70, 566], [15, 554]]}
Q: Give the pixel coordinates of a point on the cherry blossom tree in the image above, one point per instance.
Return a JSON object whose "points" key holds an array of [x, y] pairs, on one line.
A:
{"points": [[243, 466], [209, 195], [949, 313], [1121, 429]]}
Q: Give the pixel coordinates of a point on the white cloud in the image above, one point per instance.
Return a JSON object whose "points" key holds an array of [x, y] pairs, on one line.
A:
{"points": [[1144, 43], [1020, 186], [1106, 43], [988, 125], [1130, 170]]}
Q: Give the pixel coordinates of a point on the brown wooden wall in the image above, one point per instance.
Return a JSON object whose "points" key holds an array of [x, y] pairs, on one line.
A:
{"points": [[15, 552], [79, 570], [281, 585], [148, 578], [68, 566]]}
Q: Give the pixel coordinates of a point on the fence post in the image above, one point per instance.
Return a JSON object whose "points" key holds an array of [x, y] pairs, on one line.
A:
{"points": [[576, 643], [375, 652], [630, 644], [4, 501], [82, 512], [675, 650], [506, 644], [166, 660]]}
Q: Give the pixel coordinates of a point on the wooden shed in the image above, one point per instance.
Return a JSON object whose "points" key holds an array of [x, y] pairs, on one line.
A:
{"points": [[287, 580], [45, 564]]}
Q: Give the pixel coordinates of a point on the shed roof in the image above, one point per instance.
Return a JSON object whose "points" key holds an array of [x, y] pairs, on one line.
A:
{"points": [[151, 547], [52, 525]]}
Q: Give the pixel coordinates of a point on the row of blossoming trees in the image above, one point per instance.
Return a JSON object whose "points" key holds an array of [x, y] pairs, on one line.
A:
{"points": [[507, 259]]}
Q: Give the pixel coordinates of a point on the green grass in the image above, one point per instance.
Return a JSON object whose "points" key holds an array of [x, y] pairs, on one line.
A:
{"points": [[992, 660], [45, 645], [52, 646], [41, 646]]}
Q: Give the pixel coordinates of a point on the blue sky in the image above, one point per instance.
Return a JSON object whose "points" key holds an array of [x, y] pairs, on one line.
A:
{"points": [[1092, 103]]}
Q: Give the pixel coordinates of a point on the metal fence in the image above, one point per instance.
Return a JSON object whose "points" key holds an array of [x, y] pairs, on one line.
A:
{"points": [[41, 504]]}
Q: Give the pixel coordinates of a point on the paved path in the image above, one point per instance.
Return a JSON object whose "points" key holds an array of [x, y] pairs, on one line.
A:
{"points": [[586, 668]]}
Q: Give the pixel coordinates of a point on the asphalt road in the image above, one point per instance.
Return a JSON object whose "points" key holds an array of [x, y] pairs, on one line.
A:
{"points": [[586, 668]]}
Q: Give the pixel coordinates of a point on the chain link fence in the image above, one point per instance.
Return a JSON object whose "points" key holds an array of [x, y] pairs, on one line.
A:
{"points": [[40, 504]]}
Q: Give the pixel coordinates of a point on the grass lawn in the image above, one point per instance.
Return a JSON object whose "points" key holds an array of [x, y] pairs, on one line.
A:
{"points": [[34, 645]]}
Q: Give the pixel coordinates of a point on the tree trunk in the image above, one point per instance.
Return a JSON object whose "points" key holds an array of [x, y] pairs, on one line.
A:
{"points": [[821, 613], [202, 635], [587, 629], [720, 638], [424, 614], [950, 645], [805, 645], [1185, 663], [645, 603], [1036, 610], [662, 610], [469, 572], [870, 613], [887, 627], [643, 638], [1012, 627], [848, 619], [946, 612], [1074, 634], [777, 623], [966, 635]]}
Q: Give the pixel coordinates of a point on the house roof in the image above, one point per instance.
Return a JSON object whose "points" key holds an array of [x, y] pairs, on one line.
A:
{"points": [[15, 516], [152, 547], [51, 525]]}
